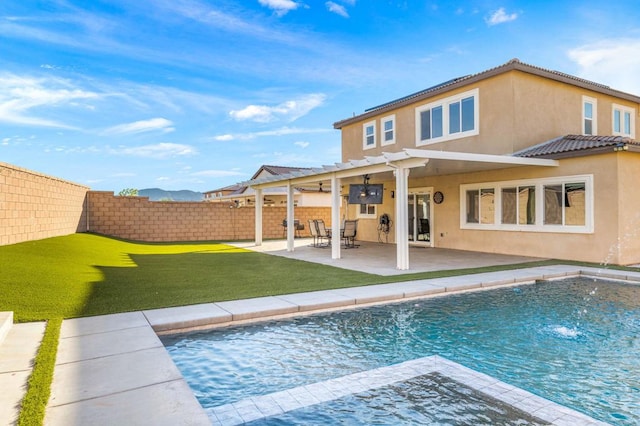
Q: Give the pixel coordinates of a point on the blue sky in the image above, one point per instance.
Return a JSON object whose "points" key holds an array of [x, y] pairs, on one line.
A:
{"points": [[195, 94]]}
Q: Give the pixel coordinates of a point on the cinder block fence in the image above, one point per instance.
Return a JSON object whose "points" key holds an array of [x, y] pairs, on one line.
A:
{"points": [[34, 206], [137, 218]]}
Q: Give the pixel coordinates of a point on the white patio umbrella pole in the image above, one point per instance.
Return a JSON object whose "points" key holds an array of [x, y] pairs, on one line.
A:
{"points": [[290, 226], [402, 217], [259, 204], [335, 217]]}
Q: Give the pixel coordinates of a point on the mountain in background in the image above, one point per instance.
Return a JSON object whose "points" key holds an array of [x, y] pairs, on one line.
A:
{"points": [[157, 194]]}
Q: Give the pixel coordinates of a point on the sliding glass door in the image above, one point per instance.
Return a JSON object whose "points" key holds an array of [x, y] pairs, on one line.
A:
{"points": [[420, 223]]}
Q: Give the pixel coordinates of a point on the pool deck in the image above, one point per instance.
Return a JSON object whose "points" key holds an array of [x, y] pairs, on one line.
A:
{"points": [[113, 369]]}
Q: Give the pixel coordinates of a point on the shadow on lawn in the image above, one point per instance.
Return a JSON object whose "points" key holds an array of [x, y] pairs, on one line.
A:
{"points": [[164, 280]]}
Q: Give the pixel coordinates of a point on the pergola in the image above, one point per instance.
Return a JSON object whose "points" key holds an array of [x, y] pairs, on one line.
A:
{"points": [[400, 163]]}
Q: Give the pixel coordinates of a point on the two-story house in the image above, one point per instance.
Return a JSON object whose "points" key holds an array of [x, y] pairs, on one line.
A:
{"points": [[516, 159]]}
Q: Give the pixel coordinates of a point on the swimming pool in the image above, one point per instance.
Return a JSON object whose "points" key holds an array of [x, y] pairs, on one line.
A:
{"points": [[575, 342]]}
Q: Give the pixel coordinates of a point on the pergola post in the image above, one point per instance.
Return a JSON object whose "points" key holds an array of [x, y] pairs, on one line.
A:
{"points": [[402, 218], [335, 217], [258, 216], [291, 229]]}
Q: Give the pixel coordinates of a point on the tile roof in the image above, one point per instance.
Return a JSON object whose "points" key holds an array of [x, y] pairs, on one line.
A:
{"points": [[238, 189], [279, 170], [513, 64], [570, 145]]}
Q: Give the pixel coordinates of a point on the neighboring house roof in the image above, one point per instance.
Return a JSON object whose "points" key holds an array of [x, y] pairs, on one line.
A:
{"points": [[513, 64], [230, 188], [237, 189], [278, 170], [577, 145]]}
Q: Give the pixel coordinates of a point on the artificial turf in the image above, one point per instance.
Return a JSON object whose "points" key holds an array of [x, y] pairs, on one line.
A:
{"points": [[85, 274], [34, 403]]}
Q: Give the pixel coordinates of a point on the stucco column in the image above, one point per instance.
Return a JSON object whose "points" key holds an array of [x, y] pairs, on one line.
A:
{"points": [[335, 217], [259, 204], [290, 227], [402, 218]]}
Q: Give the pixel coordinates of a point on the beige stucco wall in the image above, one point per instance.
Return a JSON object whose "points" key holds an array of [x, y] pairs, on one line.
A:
{"points": [[34, 206], [627, 248], [616, 213], [517, 110]]}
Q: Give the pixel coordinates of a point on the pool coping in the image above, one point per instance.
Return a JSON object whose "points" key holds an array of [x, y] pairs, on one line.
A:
{"points": [[114, 368]]}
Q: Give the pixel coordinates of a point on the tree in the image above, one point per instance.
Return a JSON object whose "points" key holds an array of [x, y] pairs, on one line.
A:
{"points": [[128, 192]]}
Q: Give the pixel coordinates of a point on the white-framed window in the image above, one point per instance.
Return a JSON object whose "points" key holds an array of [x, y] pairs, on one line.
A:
{"points": [[367, 211], [388, 126], [623, 121], [560, 204], [449, 118], [589, 116], [369, 135]]}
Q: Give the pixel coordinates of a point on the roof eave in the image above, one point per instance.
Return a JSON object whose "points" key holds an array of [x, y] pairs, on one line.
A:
{"points": [[509, 66]]}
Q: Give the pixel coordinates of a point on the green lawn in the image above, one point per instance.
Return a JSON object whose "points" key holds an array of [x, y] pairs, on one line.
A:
{"points": [[84, 274]]}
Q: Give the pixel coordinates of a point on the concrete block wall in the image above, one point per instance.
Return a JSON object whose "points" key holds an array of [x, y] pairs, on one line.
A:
{"points": [[34, 206], [137, 218]]}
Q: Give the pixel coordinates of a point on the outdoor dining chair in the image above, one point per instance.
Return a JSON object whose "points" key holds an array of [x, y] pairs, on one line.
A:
{"points": [[349, 233], [313, 230], [323, 233]]}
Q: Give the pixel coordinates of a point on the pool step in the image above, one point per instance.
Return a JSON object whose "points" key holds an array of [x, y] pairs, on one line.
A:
{"points": [[6, 321]]}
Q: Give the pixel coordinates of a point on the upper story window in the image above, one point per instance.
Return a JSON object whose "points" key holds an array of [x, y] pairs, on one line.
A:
{"points": [[623, 121], [369, 135], [589, 116], [388, 125], [450, 118]]}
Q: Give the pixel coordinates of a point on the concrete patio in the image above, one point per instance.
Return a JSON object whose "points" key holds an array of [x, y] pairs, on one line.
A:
{"points": [[380, 258]]}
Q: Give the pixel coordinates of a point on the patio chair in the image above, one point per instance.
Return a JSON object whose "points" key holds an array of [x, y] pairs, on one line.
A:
{"points": [[323, 233], [313, 230], [297, 227], [349, 233]]}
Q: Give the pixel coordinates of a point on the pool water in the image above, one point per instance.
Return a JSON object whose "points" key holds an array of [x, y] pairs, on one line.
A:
{"points": [[426, 400], [575, 342]]}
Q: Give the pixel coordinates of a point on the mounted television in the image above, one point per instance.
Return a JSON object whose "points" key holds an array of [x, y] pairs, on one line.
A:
{"points": [[365, 194]]}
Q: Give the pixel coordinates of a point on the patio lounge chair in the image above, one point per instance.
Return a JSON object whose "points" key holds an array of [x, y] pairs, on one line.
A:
{"points": [[313, 230], [323, 233], [349, 233]]}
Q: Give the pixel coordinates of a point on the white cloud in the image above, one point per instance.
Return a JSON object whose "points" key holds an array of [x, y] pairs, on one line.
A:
{"points": [[281, 7], [613, 62], [19, 96], [301, 144], [338, 9], [500, 16], [288, 111], [217, 173], [161, 124], [267, 133], [158, 151], [224, 138]]}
